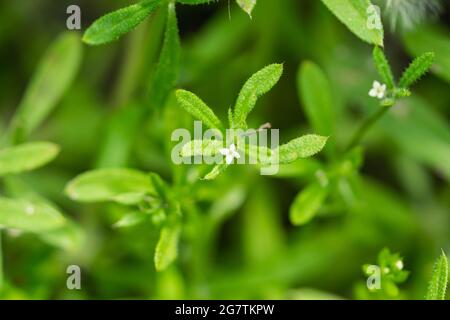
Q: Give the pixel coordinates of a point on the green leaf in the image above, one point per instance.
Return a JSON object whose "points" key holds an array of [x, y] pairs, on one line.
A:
{"points": [[383, 67], [52, 78], [307, 204], [29, 216], [109, 185], [354, 14], [258, 84], [197, 108], [167, 248], [302, 147], [417, 69], [195, 2], [247, 5], [438, 284], [216, 171], [201, 147], [421, 39], [315, 91], [131, 219], [167, 70], [26, 157], [112, 26]]}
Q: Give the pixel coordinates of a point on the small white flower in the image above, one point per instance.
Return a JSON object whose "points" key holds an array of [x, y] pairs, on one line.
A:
{"points": [[386, 270], [230, 153], [399, 264], [378, 90]]}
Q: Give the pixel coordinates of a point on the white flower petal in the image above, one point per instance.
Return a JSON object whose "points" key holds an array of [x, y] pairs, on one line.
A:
{"points": [[232, 148], [376, 84], [229, 158], [373, 93], [236, 155], [224, 151]]}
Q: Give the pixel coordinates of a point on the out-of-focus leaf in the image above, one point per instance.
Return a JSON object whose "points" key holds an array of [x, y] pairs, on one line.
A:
{"points": [[247, 5], [197, 108], [307, 203], [438, 283], [315, 92], [112, 26], [354, 14], [425, 38], [258, 84], [383, 67], [417, 69], [29, 216], [168, 67], [26, 157], [52, 78], [109, 185], [214, 173], [195, 2], [131, 219], [303, 147], [167, 248]]}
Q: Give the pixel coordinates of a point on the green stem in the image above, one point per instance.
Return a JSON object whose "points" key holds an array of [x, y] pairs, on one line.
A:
{"points": [[365, 126]]}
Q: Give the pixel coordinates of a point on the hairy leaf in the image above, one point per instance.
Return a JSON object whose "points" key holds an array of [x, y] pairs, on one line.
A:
{"points": [[112, 26], [168, 67], [438, 284], [302, 147], [109, 185], [197, 108], [26, 157], [383, 67], [355, 15], [258, 84], [417, 69], [29, 216], [201, 147], [307, 204]]}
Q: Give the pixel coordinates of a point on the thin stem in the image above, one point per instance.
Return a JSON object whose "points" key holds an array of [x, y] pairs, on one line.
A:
{"points": [[365, 126]]}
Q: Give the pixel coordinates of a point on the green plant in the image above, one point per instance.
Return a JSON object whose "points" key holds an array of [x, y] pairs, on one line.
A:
{"points": [[438, 283]]}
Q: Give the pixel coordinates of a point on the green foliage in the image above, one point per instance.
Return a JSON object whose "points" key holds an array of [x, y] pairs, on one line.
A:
{"points": [[115, 24], [197, 108], [201, 147], [29, 216], [417, 69], [52, 78], [258, 84], [121, 185], [167, 247], [247, 5], [353, 13], [195, 2], [315, 92], [439, 280], [383, 67], [166, 73], [26, 157], [302, 147], [307, 204]]}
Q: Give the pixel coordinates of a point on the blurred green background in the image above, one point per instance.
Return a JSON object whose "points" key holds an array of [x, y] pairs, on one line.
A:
{"points": [[239, 243]]}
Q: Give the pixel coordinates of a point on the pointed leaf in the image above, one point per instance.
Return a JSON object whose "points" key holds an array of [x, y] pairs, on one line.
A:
{"points": [[29, 216], [302, 147], [109, 185], [258, 84], [197, 108], [216, 171], [52, 78], [201, 148], [383, 67], [307, 204], [167, 248], [438, 284], [247, 5], [168, 67], [355, 15], [112, 26], [26, 157], [131, 219], [417, 69]]}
